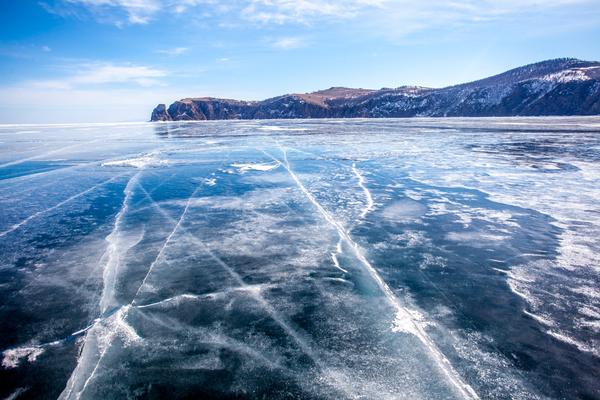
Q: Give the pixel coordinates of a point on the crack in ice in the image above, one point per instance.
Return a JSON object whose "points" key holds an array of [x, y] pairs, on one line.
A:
{"points": [[361, 182], [51, 152], [54, 207], [166, 243], [113, 251], [130, 332], [404, 320], [23, 160], [214, 338], [368, 207], [109, 277], [298, 338]]}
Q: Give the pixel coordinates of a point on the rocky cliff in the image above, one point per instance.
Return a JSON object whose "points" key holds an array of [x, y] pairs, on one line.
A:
{"points": [[563, 86]]}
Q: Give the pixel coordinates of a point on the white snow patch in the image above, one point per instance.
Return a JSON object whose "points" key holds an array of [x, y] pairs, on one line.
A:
{"points": [[569, 75], [243, 167], [12, 357], [144, 161], [475, 239], [280, 128], [404, 211]]}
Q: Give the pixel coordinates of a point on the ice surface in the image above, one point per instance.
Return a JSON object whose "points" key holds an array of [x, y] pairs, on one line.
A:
{"points": [[418, 259]]}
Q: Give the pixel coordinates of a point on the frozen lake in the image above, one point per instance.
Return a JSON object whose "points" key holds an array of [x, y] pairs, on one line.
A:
{"points": [[323, 259]]}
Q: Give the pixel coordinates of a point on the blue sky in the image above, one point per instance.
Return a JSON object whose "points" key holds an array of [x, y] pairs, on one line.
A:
{"points": [[114, 60]]}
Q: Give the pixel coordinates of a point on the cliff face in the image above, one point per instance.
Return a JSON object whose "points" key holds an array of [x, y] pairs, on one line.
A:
{"points": [[160, 114], [209, 108], [554, 87]]}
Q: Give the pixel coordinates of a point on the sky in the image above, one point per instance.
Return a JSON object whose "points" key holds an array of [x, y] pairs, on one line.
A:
{"points": [[65, 61]]}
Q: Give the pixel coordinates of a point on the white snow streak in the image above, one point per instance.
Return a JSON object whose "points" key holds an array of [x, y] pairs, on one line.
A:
{"points": [[254, 166], [361, 182], [338, 250], [113, 253], [141, 162]]}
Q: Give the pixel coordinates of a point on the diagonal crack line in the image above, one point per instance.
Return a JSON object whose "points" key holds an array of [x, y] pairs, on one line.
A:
{"points": [[48, 153], [112, 251], [166, 243], [110, 270], [58, 205], [302, 342], [403, 315]]}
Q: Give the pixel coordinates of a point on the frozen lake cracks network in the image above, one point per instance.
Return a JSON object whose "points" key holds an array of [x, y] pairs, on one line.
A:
{"points": [[391, 258]]}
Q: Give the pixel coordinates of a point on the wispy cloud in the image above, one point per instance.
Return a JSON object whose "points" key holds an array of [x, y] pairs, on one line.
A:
{"points": [[400, 16], [176, 51], [111, 73], [50, 84], [134, 12], [305, 11], [137, 11], [289, 42], [94, 74]]}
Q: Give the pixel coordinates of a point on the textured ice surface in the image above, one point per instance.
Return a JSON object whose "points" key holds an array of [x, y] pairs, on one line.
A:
{"points": [[367, 259]]}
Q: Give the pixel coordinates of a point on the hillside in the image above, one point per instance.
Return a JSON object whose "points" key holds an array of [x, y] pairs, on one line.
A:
{"points": [[563, 86]]}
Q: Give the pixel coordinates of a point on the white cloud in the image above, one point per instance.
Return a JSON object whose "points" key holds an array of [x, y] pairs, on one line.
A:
{"points": [[398, 18], [49, 84], [176, 51], [46, 49], [111, 73], [101, 74], [290, 42], [401, 16], [305, 11], [137, 11]]}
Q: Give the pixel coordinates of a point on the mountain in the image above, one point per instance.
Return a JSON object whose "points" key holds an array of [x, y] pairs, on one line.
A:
{"points": [[564, 86]]}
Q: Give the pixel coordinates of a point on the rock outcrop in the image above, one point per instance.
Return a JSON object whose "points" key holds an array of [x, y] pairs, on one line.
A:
{"points": [[160, 113]]}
